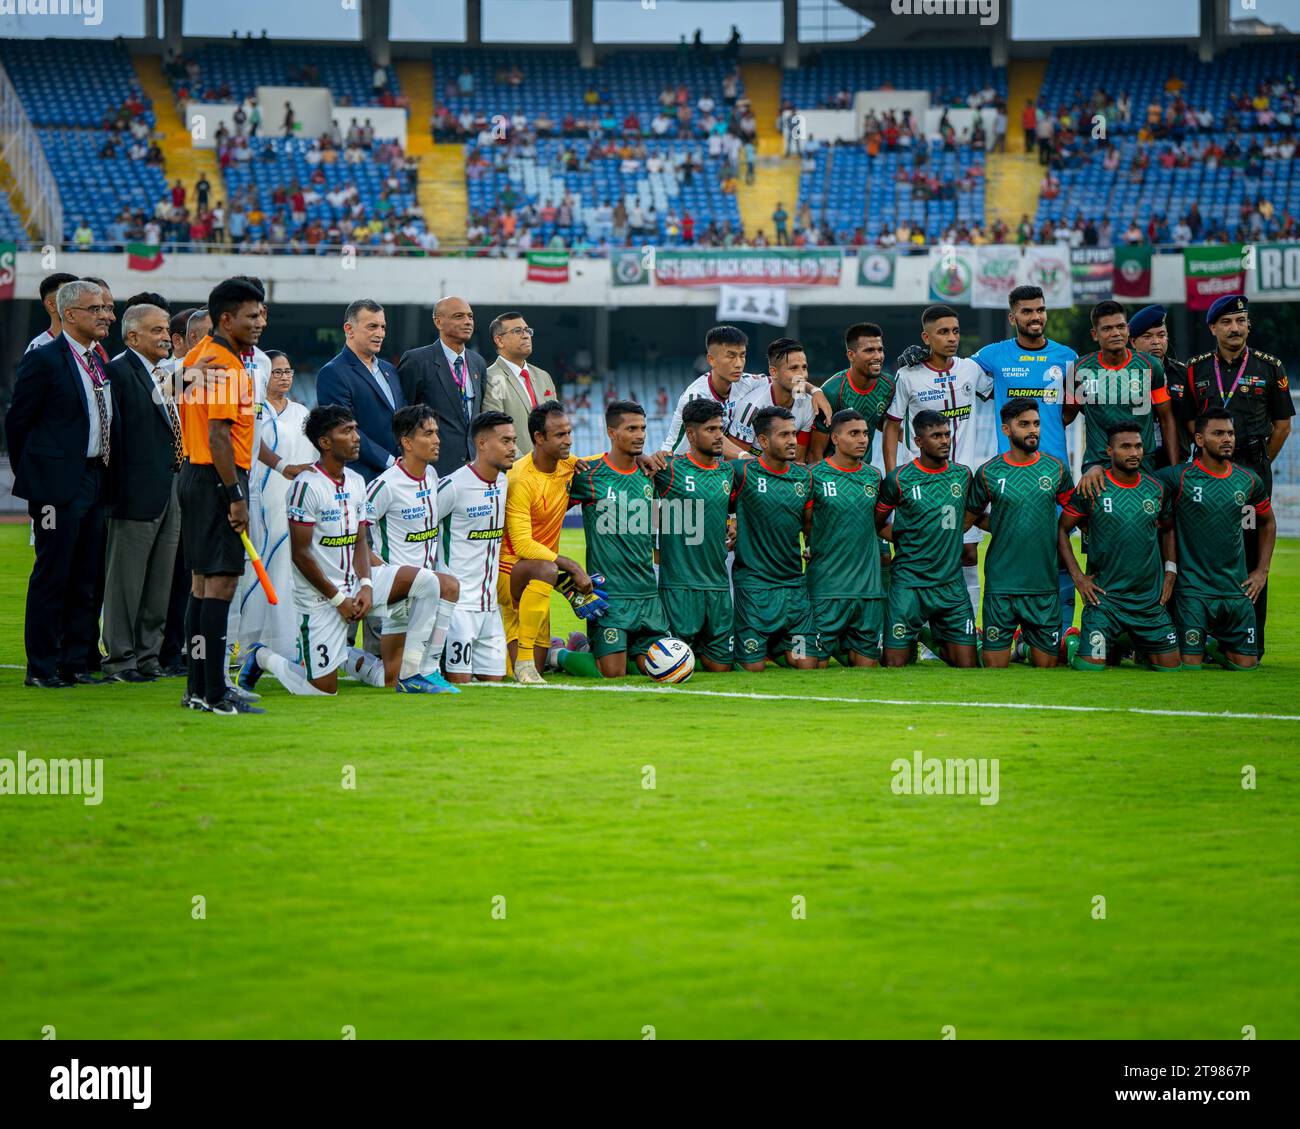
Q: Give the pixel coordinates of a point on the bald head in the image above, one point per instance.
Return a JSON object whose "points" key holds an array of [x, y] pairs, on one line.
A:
{"points": [[454, 321]]}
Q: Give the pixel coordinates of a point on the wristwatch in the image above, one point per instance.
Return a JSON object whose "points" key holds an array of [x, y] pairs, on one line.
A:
{"points": [[234, 492]]}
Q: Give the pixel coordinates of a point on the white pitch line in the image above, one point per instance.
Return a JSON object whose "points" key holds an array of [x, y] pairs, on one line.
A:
{"points": [[897, 701]]}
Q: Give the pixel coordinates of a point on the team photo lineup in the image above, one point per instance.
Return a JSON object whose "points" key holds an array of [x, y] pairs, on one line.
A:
{"points": [[783, 445], [758, 531]]}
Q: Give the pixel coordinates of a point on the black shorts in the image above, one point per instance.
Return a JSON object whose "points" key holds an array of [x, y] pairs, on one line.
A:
{"points": [[212, 548]]}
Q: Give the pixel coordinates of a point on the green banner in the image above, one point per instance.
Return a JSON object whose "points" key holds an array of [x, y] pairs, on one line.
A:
{"points": [[875, 268], [1132, 270], [1211, 272], [628, 268], [548, 266]]}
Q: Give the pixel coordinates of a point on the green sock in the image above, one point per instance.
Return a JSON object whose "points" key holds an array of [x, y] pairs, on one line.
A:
{"points": [[1212, 652], [579, 663], [781, 660], [1088, 668], [1228, 664], [1164, 669], [842, 657], [926, 639]]}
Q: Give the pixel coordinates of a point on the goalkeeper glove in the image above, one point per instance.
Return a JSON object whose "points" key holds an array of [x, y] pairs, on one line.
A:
{"points": [[912, 355], [590, 606]]}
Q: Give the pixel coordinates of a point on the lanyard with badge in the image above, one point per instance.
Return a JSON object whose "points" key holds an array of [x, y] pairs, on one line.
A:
{"points": [[1218, 376]]}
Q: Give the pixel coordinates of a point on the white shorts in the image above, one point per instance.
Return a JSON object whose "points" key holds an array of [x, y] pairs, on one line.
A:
{"points": [[973, 536], [324, 636], [476, 644]]}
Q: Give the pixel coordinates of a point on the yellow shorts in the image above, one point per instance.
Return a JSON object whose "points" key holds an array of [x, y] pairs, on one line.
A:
{"points": [[510, 614]]}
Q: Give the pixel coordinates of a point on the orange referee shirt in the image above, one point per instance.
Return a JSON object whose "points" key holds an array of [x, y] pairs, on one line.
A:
{"points": [[227, 393]]}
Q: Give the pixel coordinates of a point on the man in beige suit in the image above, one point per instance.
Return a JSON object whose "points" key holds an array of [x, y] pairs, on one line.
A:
{"points": [[513, 385]]}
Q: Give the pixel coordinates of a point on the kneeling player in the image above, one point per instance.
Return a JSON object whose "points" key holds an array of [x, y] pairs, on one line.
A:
{"points": [[474, 501], [843, 570], [334, 582], [1213, 500], [694, 499], [403, 506], [617, 505], [770, 495], [1021, 578], [1129, 529], [928, 499]]}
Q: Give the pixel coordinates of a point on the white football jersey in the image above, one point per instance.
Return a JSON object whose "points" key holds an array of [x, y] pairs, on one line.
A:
{"points": [[403, 513], [950, 393], [335, 511], [701, 389], [472, 529], [755, 399]]}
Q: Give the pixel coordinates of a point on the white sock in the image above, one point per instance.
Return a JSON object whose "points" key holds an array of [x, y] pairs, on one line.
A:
{"points": [[365, 668], [288, 674], [423, 605], [432, 660], [972, 575]]}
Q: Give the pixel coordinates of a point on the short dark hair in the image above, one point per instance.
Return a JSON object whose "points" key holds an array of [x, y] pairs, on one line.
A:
{"points": [[781, 348], [725, 335], [97, 281], [1104, 309], [180, 322], [51, 283], [367, 304], [932, 314], [1204, 419], [1119, 427], [1023, 294], [322, 419], [701, 411], [860, 330], [538, 417], [271, 354], [846, 415], [617, 409], [495, 327], [228, 296], [928, 420], [1016, 407], [486, 421], [256, 283], [147, 298], [406, 420], [767, 416]]}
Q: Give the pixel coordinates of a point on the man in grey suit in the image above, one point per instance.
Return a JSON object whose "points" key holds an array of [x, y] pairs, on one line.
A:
{"points": [[144, 517], [514, 385], [448, 376]]}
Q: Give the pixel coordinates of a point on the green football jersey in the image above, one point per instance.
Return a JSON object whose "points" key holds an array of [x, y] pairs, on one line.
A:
{"points": [[928, 510], [1117, 395], [1021, 558], [1208, 515], [617, 512], [694, 501], [1124, 536], [844, 562], [769, 519], [871, 403]]}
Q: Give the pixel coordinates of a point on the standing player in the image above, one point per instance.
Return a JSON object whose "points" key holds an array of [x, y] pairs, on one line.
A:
{"points": [[927, 497], [404, 506], [537, 498], [472, 531], [848, 600], [1127, 589], [1029, 365], [1115, 385], [770, 495], [1023, 487], [617, 503], [694, 492], [944, 382], [1148, 333], [334, 582], [1253, 386], [786, 387], [863, 387], [725, 382], [1215, 594]]}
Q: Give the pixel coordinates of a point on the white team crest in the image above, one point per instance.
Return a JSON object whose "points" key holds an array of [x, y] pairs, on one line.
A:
{"points": [[1239, 498], [1044, 483], [870, 490], [1148, 506], [798, 488], [991, 633], [1193, 637], [956, 490], [899, 631], [611, 635]]}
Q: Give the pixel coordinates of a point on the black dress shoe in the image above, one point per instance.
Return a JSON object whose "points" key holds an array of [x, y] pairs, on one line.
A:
{"points": [[177, 671], [129, 676], [55, 683], [84, 677]]}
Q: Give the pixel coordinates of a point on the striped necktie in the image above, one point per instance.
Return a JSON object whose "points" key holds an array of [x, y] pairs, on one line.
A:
{"points": [[178, 448], [101, 405]]}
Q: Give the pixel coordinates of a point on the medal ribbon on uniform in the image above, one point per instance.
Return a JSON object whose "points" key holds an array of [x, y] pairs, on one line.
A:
{"points": [[1218, 377]]}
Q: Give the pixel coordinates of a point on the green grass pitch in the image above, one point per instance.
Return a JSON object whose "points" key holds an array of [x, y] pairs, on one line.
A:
{"points": [[673, 908]]}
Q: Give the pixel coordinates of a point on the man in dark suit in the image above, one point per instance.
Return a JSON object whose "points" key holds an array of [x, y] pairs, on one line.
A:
{"points": [[449, 377], [144, 518], [59, 428], [367, 386]]}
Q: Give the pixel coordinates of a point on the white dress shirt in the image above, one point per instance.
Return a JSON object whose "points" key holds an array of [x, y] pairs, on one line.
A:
{"points": [[79, 361]]}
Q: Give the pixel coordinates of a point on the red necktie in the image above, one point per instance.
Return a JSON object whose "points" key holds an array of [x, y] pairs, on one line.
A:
{"points": [[532, 396]]}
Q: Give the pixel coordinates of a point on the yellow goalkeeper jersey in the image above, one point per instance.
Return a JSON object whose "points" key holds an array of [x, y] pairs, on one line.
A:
{"points": [[536, 503]]}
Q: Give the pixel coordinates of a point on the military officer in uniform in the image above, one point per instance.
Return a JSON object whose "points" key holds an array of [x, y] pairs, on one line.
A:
{"points": [[1148, 333], [1253, 386]]}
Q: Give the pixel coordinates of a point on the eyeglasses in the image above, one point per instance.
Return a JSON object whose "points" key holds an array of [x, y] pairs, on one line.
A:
{"points": [[282, 372], [93, 309], [523, 330]]}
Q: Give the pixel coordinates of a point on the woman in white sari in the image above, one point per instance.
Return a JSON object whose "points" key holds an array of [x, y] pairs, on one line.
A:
{"points": [[280, 427]]}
